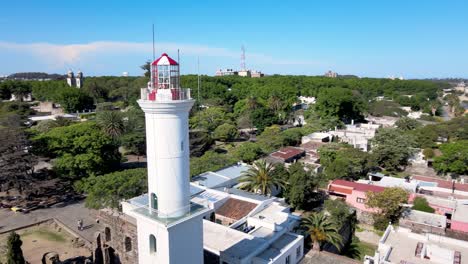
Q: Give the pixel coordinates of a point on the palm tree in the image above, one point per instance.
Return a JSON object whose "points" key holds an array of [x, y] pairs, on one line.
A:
{"points": [[111, 122], [321, 230], [259, 178]]}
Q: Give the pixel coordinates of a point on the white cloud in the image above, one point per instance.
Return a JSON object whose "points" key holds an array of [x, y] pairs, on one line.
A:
{"points": [[64, 55]]}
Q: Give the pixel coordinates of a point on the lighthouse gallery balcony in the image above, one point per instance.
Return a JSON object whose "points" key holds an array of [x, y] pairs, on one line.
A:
{"points": [[140, 205], [165, 95]]}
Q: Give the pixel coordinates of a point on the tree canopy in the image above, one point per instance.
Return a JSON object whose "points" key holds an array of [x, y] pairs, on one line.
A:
{"points": [[421, 204], [454, 158], [107, 191], [341, 103], [14, 253], [391, 148], [300, 191], [79, 150], [344, 161], [388, 202]]}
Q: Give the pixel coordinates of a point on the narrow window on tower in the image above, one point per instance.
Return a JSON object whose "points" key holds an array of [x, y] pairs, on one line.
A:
{"points": [[152, 245], [154, 201], [181, 146]]}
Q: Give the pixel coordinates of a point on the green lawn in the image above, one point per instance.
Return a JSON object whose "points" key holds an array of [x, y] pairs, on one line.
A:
{"points": [[45, 234], [366, 249], [358, 249]]}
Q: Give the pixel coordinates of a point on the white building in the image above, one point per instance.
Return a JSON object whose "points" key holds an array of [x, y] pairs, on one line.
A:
{"points": [[400, 245], [75, 81], [331, 74], [357, 135], [226, 72], [248, 228], [170, 228]]}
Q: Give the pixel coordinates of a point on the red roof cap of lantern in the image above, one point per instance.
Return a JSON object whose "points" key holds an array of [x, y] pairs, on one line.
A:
{"points": [[164, 60]]}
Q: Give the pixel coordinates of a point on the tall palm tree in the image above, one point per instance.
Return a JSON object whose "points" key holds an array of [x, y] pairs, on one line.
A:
{"points": [[111, 122], [259, 178], [321, 230]]}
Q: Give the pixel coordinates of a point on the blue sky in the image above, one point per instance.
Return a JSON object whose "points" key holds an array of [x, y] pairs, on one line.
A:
{"points": [[375, 38]]}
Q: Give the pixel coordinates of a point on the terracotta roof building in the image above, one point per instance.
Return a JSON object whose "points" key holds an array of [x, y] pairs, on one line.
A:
{"points": [[288, 154], [233, 210]]}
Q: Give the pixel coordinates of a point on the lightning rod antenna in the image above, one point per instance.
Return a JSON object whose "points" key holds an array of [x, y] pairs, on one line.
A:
{"points": [[178, 61], [242, 58], [153, 44]]}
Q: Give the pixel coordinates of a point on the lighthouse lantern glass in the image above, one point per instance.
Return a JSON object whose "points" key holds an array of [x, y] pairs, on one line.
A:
{"points": [[165, 76]]}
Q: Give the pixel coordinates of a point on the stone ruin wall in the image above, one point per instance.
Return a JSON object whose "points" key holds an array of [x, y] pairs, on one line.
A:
{"points": [[117, 242]]}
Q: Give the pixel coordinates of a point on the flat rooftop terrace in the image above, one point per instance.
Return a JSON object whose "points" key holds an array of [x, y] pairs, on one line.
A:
{"points": [[218, 238], [440, 249]]}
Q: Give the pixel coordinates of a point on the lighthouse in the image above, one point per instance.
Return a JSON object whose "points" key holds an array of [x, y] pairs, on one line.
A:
{"points": [[169, 225]]}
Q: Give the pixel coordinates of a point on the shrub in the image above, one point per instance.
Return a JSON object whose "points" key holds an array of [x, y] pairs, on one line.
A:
{"points": [[421, 204]]}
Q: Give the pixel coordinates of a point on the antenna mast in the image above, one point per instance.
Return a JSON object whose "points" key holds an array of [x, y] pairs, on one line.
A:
{"points": [[178, 61], [242, 65], [153, 44]]}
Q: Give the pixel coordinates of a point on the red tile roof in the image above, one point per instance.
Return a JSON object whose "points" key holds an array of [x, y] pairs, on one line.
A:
{"points": [[443, 183], [336, 184], [287, 153], [312, 145], [235, 208]]}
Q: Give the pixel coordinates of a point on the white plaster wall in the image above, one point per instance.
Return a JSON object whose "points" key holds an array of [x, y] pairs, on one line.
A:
{"points": [[179, 244], [168, 154]]}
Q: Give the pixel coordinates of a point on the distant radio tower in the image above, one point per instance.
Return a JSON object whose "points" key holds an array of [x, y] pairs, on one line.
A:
{"points": [[242, 65]]}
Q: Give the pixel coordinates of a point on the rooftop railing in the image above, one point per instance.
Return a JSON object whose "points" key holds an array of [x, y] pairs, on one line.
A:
{"points": [[139, 206], [165, 95]]}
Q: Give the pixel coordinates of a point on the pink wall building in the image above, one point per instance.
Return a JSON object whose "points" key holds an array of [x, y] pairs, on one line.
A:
{"points": [[353, 193]]}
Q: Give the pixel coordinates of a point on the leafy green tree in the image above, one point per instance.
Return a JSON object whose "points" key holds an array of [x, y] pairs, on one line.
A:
{"points": [[406, 123], [391, 148], [16, 162], [321, 229], [46, 125], [386, 108], [248, 152], [340, 212], [388, 203], [270, 139], [72, 99], [292, 136], [262, 118], [454, 158], [20, 89], [421, 204], [111, 123], [200, 142], [210, 161], [300, 190], [107, 191], [209, 118], [225, 132], [14, 253], [341, 103], [20, 109], [428, 153], [80, 150], [258, 179], [147, 68], [344, 161]]}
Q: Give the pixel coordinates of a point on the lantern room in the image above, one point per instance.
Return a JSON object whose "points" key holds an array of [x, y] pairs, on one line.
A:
{"points": [[165, 73]]}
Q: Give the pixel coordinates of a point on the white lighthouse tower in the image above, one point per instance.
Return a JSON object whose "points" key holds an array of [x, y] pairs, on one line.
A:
{"points": [[169, 226]]}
